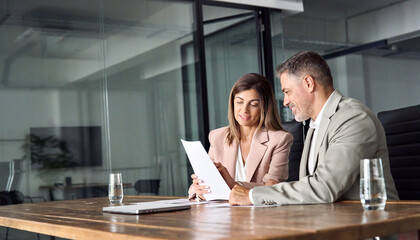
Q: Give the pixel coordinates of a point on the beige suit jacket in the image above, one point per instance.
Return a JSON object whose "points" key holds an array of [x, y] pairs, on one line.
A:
{"points": [[268, 157], [349, 131]]}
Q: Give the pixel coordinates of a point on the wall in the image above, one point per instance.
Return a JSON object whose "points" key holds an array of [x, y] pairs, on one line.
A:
{"points": [[383, 83], [394, 20], [391, 83]]}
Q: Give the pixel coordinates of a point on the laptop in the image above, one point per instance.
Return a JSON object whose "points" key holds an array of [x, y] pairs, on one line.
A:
{"points": [[150, 207]]}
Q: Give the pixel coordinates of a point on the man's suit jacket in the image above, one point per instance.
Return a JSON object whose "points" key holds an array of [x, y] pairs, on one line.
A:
{"points": [[349, 131], [268, 157]]}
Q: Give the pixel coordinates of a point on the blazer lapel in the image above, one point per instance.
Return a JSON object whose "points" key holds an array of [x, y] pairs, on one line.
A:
{"points": [[256, 153], [230, 155], [329, 111], [305, 154]]}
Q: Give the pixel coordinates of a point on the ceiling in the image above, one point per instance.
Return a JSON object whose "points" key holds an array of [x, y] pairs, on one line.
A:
{"points": [[37, 41]]}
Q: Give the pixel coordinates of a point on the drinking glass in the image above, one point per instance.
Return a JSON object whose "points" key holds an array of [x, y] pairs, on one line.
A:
{"points": [[372, 184], [115, 189]]}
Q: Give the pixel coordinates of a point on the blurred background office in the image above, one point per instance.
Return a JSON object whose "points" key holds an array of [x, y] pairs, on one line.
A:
{"points": [[89, 87]]}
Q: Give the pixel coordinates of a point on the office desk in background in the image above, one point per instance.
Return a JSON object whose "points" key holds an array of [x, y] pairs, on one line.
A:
{"points": [[84, 219], [80, 190]]}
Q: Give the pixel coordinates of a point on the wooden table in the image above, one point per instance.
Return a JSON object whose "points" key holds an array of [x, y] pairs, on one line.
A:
{"points": [[84, 219]]}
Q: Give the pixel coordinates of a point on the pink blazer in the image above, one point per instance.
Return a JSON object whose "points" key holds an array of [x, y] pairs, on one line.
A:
{"points": [[268, 157]]}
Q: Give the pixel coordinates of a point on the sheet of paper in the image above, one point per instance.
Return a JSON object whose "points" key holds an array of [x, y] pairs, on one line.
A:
{"points": [[204, 168]]}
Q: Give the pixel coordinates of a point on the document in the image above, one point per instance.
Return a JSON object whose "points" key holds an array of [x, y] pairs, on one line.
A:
{"points": [[204, 168]]}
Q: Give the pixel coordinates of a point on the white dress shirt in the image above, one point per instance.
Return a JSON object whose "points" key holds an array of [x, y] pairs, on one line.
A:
{"points": [[240, 174]]}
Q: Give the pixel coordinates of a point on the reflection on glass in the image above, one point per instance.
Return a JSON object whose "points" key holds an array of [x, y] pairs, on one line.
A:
{"points": [[231, 51], [55, 58], [278, 58]]}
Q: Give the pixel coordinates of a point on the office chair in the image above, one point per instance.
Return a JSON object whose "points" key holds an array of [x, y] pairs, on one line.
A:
{"points": [[402, 129], [297, 129], [147, 186], [10, 179], [10, 171], [4, 175]]}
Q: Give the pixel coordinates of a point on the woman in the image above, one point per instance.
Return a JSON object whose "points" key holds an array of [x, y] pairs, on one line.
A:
{"points": [[253, 150]]}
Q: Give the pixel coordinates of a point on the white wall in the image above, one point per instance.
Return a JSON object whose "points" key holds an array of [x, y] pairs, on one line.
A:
{"points": [[394, 20], [381, 83]]}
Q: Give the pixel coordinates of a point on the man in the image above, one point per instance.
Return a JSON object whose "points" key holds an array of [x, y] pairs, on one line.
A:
{"points": [[343, 131]]}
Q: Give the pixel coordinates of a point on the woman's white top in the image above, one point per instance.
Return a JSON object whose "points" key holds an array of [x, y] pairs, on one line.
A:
{"points": [[240, 174]]}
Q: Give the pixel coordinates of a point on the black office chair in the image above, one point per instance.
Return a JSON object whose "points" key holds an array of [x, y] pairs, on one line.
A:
{"points": [[147, 186], [10, 176], [298, 130], [402, 129]]}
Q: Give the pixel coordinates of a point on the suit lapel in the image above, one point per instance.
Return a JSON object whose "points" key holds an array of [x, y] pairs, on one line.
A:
{"points": [[305, 154], [256, 153], [329, 111]]}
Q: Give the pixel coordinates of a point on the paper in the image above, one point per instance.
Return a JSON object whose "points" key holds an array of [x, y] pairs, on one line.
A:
{"points": [[204, 168]]}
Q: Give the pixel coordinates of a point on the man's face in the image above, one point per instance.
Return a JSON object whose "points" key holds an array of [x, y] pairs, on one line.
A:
{"points": [[296, 97]]}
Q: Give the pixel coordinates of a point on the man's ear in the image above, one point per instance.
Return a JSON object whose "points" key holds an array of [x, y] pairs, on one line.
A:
{"points": [[309, 83]]}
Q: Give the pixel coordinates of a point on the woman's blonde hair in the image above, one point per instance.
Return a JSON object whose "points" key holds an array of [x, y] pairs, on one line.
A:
{"points": [[269, 118]]}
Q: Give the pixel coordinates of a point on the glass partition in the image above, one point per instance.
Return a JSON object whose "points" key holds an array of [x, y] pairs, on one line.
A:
{"points": [[47, 108], [144, 66], [278, 58], [92, 87], [231, 50]]}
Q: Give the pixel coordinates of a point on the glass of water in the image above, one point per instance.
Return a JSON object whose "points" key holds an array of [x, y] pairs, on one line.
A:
{"points": [[115, 189], [372, 184]]}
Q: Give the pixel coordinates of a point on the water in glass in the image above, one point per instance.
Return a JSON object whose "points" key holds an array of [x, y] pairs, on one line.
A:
{"points": [[115, 189], [372, 193], [372, 184], [115, 194]]}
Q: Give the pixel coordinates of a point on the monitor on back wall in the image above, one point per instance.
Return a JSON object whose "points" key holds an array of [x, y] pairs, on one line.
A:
{"points": [[65, 147]]}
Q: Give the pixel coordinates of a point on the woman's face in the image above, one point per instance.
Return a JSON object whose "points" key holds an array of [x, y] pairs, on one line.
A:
{"points": [[247, 108]]}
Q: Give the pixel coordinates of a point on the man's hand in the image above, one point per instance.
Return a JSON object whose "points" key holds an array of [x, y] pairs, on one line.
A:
{"points": [[270, 182], [239, 196]]}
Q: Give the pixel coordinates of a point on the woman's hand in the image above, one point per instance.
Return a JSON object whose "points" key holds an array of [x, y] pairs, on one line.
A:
{"points": [[270, 182], [199, 188], [225, 174]]}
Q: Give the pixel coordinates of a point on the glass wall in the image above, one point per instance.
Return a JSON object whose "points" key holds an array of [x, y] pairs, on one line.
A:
{"points": [[93, 87], [382, 73], [99, 87], [145, 89], [278, 58], [46, 52], [231, 50]]}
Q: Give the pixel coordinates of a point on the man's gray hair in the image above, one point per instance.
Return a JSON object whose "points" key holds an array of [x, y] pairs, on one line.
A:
{"points": [[307, 63]]}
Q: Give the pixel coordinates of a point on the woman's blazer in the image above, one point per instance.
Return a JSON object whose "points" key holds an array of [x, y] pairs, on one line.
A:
{"points": [[268, 157]]}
